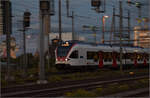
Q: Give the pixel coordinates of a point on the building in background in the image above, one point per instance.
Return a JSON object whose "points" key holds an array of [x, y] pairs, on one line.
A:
{"points": [[141, 37], [13, 50]]}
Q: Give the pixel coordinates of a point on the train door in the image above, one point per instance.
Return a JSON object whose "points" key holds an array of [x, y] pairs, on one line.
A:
{"points": [[73, 58], [82, 56], [101, 64], [114, 57], [92, 58]]}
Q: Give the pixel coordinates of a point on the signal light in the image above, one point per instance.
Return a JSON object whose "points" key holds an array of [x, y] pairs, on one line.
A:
{"points": [[96, 3], [129, 2], [138, 4], [44, 5], [26, 19]]}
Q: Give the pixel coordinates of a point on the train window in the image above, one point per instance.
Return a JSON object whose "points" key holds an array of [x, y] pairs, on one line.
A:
{"points": [[110, 60], [89, 55], [92, 55], [81, 56], [140, 56], [132, 59], [95, 57], [62, 51], [131, 56], [74, 54], [107, 56], [147, 56], [105, 60]]}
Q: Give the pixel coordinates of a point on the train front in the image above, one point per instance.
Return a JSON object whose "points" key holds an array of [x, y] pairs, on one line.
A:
{"points": [[61, 54]]}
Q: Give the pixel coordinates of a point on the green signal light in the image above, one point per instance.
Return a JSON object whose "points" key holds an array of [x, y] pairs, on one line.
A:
{"points": [[138, 4]]}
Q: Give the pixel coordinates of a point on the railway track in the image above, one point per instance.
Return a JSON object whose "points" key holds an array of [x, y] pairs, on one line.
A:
{"points": [[143, 92], [58, 89]]}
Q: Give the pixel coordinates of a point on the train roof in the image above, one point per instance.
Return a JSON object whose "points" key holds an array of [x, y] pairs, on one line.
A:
{"points": [[93, 44]]}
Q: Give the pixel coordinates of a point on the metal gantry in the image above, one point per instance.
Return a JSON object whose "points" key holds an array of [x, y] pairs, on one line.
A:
{"points": [[92, 28]]}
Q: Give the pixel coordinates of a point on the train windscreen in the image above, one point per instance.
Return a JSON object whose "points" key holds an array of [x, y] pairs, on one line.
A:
{"points": [[63, 50]]}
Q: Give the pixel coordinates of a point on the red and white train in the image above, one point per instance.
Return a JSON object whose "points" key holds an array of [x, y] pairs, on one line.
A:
{"points": [[80, 54]]}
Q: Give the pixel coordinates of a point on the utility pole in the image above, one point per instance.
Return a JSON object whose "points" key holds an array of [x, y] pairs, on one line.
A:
{"points": [[103, 27], [26, 23], [139, 6], [128, 26], [121, 21], [8, 36], [73, 34], [94, 30], [67, 7], [7, 29], [48, 25], [112, 25], [24, 52], [60, 27], [46, 31], [42, 63], [49, 43], [139, 12], [120, 27], [72, 17], [44, 12]]}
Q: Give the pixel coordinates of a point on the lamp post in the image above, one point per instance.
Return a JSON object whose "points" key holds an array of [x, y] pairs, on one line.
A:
{"points": [[103, 27]]}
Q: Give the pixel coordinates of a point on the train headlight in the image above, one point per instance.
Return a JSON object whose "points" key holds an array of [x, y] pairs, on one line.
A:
{"points": [[56, 59], [66, 59]]}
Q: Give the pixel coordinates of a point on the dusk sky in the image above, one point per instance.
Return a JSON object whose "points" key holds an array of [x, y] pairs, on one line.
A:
{"points": [[81, 8]]}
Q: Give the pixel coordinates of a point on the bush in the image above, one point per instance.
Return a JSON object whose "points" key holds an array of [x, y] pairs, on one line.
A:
{"points": [[51, 62], [19, 81], [144, 81], [99, 90], [54, 79], [51, 70], [17, 73], [109, 89], [80, 93], [4, 83], [33, 71], [123, 87], [31, 78]]}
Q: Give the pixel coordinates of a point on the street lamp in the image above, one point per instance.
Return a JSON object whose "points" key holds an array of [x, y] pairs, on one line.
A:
{"points": [[103, 27]]}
